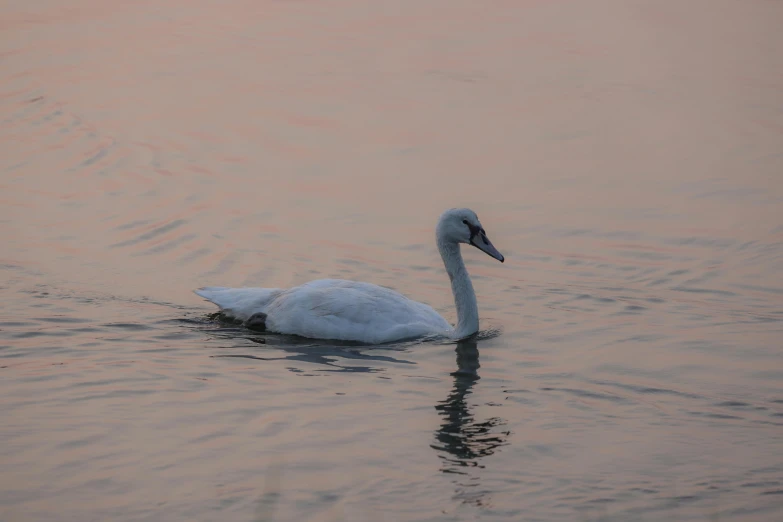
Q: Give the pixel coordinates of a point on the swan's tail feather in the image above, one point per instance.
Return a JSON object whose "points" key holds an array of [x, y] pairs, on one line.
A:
{"points": [[217, 295], [207, 292], [211, 293], [239, 303]]}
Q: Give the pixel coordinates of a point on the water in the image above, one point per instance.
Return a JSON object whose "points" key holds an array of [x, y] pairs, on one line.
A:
{"points": [[624, 156]]}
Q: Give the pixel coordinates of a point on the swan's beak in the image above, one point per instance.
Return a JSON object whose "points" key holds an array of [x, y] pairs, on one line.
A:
{"points": [[482, 242]]}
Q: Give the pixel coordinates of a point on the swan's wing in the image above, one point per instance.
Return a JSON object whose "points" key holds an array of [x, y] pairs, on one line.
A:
{"points": [[349, 310], [239, 303]]}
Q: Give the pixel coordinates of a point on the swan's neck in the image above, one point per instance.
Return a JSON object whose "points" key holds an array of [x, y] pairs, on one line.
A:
{"points": [[462, 288]]}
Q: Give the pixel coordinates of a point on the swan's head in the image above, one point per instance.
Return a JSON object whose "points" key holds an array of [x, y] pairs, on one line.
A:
{"points": [[462, 225]]}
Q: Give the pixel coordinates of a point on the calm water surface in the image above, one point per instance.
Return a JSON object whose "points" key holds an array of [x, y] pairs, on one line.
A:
{"points": [[625, 156]]}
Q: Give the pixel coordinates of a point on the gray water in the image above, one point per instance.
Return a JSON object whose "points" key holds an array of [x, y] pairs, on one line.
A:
{"points": [[625, 156]]}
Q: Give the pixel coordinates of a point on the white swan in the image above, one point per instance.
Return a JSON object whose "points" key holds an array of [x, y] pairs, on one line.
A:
{"points": [[353, 311]]}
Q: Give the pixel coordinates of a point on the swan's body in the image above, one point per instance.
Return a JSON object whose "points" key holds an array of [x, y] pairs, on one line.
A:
{"points": [[332, 309], [355, 311]]}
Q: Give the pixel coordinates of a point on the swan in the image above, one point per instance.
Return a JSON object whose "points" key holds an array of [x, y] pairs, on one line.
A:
{"points": [[354, 311]]}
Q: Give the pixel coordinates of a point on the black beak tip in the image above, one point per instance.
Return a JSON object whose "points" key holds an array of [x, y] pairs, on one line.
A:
{"points": [[502, 259]]}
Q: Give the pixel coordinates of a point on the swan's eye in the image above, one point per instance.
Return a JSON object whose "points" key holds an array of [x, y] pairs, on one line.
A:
{"points": [[474, 230]]}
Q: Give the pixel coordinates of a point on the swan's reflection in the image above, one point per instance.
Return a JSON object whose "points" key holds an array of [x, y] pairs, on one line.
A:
{"points": [[304, 350], [462, 441]]}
